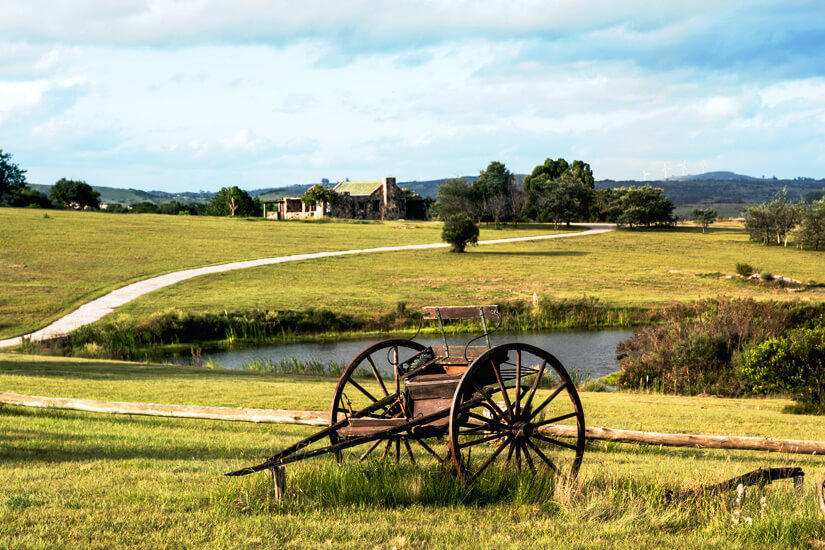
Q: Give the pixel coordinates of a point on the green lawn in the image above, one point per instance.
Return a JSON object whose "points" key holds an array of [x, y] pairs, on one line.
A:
{"points": [[51, 262], [624, 268], [72, 479]]}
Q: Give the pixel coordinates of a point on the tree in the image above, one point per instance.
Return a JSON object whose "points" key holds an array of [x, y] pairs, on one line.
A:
{"points": [[74, 194], [811, 230], [231, 201], [641, 205], [704, 217], [773, 220], [563, 200], [548, 171], [561, 192], [319, 194], [783, 215], [757, 223], [459, 230], [12, 178], [518, 201], [454, 198], [28, 197], [490, 192]]}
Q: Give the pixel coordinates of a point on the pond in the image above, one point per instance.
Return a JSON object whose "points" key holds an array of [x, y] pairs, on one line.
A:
{"points": [[589, 352]]}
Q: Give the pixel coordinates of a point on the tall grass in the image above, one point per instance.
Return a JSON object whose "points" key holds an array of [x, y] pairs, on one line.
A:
{"points": [[769, 516], [381, 483], [292, 365], [127, 338]]}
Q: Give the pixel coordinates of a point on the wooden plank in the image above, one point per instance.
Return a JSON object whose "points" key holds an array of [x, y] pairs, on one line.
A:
{"points": [[359, 427], [791, 446], [452, 313], [456, 355], [272, 416], [442, 388], [383, 423]]}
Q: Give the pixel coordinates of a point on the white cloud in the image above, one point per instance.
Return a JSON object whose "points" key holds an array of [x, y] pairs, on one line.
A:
{"points": [[350, 89]]}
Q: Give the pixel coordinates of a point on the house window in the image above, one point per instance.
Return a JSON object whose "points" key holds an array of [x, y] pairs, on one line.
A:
{"points": [[376, 206]]}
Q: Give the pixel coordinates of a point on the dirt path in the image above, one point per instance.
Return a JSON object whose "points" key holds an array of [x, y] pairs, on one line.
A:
{"points": [[100, 307]]}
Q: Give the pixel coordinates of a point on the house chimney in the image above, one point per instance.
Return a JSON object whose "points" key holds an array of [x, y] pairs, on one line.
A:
{"points": [[384, 184]]}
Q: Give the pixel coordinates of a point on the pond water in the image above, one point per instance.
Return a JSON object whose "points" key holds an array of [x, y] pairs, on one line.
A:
{"points": [[589, 352]]}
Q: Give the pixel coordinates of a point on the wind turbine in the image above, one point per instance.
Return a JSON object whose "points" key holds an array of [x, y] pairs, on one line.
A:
{"points": [[664, 164], [645, 175], [684, 167], [703, 167]]}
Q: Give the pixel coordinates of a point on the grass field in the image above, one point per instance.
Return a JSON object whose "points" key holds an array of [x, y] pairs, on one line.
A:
{"points": [[51, 262], [73, 479], [623, 268]]}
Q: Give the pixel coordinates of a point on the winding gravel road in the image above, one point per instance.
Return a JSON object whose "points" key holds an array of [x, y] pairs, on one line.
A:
{"points": [[100, 307]]}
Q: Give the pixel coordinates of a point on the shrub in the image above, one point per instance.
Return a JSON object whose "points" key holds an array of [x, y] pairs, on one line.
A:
{"points": [[459, 230], [794, 364], [743, 269], [695, 348], [766, 276]]}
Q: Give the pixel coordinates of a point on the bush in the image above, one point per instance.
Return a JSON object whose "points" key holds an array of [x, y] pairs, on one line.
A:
{"points": [[794, 364], [696, 347], [766, 276], [743, 269], [459, 230]]}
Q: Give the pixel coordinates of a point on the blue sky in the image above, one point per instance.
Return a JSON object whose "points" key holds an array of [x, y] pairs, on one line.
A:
{"points": [[199, 94]]}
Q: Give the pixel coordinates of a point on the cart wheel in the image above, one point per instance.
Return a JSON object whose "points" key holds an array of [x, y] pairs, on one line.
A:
{"points": [[501, 405], [369, 378]]}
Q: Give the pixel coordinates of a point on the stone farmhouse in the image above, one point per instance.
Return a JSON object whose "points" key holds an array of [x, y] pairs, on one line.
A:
{"points": [[359, 200]]}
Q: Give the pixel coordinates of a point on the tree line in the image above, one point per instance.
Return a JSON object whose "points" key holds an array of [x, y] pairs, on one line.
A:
{"points": [[79, 195], [774, 222], [557, 192]]}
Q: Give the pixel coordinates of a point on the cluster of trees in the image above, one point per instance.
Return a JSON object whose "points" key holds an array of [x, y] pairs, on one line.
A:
{"points": [[775, 221], [556, 191], [14, 191], [79, 195]]}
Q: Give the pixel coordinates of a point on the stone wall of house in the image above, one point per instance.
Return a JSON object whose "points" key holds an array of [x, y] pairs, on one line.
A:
{"points": [[374, 206]]}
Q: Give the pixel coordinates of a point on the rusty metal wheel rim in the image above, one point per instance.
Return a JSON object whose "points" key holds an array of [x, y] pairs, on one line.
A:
{"points": [[477, 418], [371, 359]]}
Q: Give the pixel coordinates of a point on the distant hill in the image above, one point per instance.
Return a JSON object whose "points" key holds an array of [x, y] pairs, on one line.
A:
{"points": [[714, 176], [742, 190], [115, 195]]}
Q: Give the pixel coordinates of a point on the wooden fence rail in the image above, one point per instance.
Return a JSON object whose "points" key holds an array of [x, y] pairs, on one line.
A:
{"points": [[271, 416], [277, 416]]}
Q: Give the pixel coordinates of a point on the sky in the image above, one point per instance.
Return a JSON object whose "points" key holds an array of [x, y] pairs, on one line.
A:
{"points": [[201, 94]]}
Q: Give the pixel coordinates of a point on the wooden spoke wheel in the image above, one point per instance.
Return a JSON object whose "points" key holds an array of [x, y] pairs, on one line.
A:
{"points": [[503, 407], [371, 377]]}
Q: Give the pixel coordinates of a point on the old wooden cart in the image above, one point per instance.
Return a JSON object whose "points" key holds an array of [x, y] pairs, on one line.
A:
{"points": [[491, 403]]}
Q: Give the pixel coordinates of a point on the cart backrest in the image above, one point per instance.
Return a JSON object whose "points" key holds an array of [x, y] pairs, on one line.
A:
{"points": [[449, 313]]}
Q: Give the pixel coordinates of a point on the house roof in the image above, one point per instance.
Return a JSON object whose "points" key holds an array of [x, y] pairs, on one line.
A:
{"points": [[357, 187]]}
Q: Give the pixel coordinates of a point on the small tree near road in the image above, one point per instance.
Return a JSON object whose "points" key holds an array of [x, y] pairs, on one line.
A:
{"points": [[704, 217], [459, 231]]}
